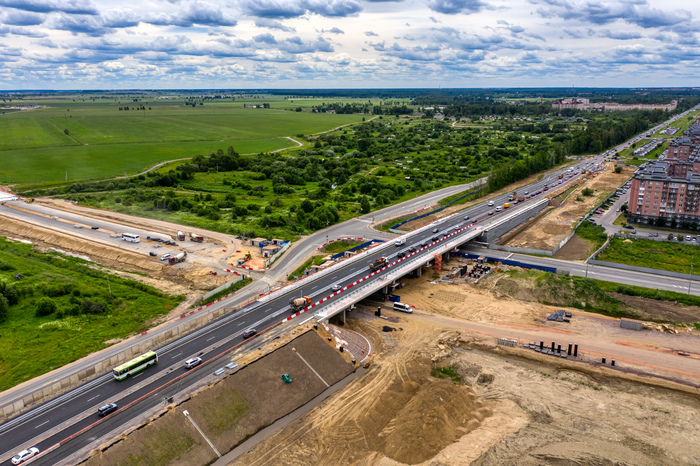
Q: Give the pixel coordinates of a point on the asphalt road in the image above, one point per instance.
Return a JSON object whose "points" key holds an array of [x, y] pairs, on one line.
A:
{"points": [[21, 432]]}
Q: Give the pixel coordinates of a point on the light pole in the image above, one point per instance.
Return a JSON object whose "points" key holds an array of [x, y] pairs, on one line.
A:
{"points": [[690, 274]]}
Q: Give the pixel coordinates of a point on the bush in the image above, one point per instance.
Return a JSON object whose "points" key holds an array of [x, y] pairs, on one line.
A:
{"points": [[4, 308], [45, 306], [587, 192]]}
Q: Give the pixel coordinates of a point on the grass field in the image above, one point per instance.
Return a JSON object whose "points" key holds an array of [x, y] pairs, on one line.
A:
{"points": [[93, 141], [31, 345], [674, 257]]}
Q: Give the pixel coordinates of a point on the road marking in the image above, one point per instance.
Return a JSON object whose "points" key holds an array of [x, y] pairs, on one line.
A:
{"points": [[211, 338], [240, 324], [93, 398], [43, 424], [137, 375]]}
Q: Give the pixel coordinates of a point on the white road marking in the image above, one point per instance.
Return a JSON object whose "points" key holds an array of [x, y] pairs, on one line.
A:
{"points": [[208, 339], [93, 398], [43, 424]]}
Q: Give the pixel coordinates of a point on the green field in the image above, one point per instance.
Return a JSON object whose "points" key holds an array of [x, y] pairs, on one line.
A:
{"points": [[91, 308], [102, 141], [674, 257]]}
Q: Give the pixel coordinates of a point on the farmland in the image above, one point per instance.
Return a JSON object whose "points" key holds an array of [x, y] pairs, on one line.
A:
{"points": [[79, 141]]}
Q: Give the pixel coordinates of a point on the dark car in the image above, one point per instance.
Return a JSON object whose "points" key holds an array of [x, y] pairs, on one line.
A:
{"points": [[435, 230], [95, 228], [445, 233], [425, 244], [412, 249], [106, 409], [435, 238], [490, 212], [401, 255], [249, 333], [152, 253], [466, 217]]}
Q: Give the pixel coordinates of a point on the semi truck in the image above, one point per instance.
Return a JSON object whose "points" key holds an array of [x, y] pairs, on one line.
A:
{"points": [[177, 259], [378, 263], [196, 238], [180, 236], [297, 304]]}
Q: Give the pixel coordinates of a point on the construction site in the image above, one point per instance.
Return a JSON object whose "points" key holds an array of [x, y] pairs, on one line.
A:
{"points": [[438, 388]]}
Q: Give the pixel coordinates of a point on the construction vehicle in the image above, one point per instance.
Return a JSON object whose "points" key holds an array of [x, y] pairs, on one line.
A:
{"points": [[247, 256], [297, 304], [196, 238], [180, 236], [378, 264], [513, 196], [177, 259]]}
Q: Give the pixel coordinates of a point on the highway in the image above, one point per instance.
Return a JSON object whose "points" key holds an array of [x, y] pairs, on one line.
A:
{"points": [[77, 410], [26, 430]]}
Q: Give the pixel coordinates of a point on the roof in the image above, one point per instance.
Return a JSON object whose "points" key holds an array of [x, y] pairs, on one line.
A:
{"points": [[259, 239]]}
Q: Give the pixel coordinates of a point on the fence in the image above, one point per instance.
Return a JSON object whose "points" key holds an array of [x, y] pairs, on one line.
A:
{"points": [[513, 263], [355, 248], [272, 258], [236, 279], [479, 182]]}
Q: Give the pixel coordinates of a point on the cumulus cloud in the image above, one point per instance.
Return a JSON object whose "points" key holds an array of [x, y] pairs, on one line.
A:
{"points": [[637, 12], [451, 7], [272, 24], [294, 8], [371, 34], [21, 18], [195, 13], [77, 7], [333, 31]]}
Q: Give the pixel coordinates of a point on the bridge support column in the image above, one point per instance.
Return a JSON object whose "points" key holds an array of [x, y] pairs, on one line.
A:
{"points": [[419, 272], [446, 257], [341, 317]]}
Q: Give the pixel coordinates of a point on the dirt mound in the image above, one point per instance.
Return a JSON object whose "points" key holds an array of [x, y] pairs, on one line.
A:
{"points": [[425, 422]]}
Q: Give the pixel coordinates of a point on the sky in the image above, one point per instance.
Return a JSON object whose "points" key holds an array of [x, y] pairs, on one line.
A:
{"points": [[296, 44]]}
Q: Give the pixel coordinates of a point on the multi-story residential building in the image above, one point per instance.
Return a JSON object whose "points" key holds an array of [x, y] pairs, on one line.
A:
{"points": [[669, 189]]}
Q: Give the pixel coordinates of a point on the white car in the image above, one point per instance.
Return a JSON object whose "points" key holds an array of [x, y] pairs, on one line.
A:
{"points": [[336, 287], [165, 257], [490, 203], [24, 455], [190, 363]]}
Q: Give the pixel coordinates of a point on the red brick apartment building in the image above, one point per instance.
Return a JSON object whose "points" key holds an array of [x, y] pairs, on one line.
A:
{"points": [[669, 188]]}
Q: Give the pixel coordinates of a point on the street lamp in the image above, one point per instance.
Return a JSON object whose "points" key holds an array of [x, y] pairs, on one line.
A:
{"points": [[690, 274]]}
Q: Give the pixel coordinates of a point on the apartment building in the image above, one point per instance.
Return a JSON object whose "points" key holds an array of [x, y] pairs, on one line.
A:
{"points": [[669, 189]]}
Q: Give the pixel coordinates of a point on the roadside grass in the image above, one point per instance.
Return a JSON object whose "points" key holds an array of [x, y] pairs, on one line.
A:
{"points": [[225, 410], [161, 447], [446, 373], [315, 260], [34, 345], [340, 246], [659, 295], [593, 234], [673, 257], [580, 293]]}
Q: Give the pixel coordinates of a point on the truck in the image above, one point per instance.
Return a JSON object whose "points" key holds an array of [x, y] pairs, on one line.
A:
{"points": [[297, 304], [177, 259], [196, 238], [513, 196], [521, 199], [506, 205], [561, 175], [378, 263], [180, 236]]}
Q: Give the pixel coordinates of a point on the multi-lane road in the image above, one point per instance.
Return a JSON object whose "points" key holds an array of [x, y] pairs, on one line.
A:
{"points": [[65, 417], [76, 410]]}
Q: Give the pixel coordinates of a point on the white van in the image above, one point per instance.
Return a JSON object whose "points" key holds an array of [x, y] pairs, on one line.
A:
{"points": [[403, 308], [490, 203], [400, 242], [499, 208]]}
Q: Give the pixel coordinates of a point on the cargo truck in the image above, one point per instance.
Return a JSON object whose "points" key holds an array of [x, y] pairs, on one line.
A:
{"points": [[297, 304], [177, 259], [378, 264]]}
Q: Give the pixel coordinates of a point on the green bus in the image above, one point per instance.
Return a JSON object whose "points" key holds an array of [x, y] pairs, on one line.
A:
{"points": [[135, 365]]}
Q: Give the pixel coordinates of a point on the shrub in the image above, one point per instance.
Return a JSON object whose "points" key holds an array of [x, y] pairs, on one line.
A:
{"points": [[45, 306]]}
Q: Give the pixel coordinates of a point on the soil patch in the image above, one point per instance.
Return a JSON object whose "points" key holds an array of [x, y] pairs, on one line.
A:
{"points": [[233, 409], [552, 229], [576, 248]]}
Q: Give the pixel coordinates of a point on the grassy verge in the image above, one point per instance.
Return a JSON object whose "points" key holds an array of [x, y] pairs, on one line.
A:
{"points": [[340, 246], [673, 257], [594, 234], [659, 295], [85, 308], [315, 260], [446, 373], [234, 287]]}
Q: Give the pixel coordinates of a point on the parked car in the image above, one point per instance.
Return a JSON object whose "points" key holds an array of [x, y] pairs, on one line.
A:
{"points": [[24, 455], [152, 253], [106, 409], [165, 257], [190, 363], [630, 227]]}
